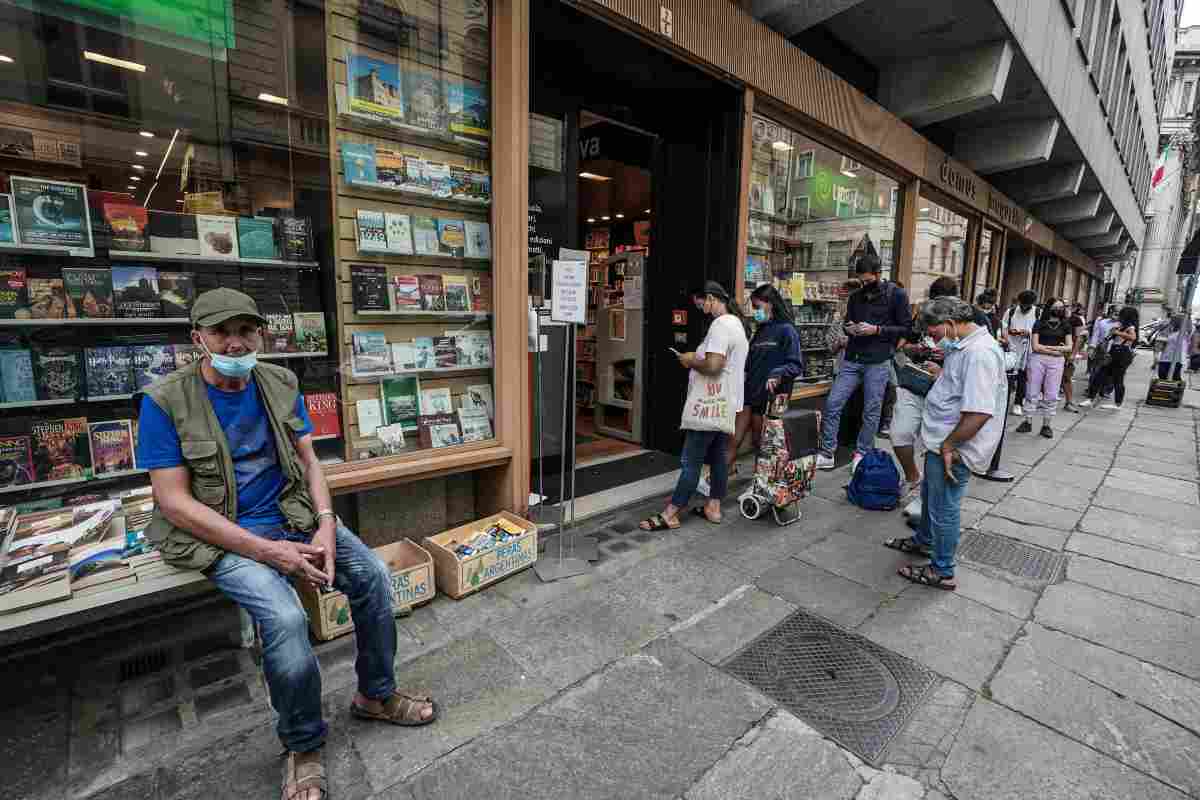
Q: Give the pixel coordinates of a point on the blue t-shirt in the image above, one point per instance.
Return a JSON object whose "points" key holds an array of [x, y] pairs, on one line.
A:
{"points": [[247, 428]]}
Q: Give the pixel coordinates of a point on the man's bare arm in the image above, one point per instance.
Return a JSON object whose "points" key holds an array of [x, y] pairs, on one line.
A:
{"points": [[969, 424], [314, 476]]}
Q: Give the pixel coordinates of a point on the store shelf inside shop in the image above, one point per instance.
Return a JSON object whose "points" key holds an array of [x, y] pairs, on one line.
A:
{"points": [[31, 323], [476, 315], [61, 401], [69, 481], [142, 255], [279, 356]]}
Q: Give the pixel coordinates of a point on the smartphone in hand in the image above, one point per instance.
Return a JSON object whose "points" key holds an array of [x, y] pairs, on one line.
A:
{"points": [[675, 352]]}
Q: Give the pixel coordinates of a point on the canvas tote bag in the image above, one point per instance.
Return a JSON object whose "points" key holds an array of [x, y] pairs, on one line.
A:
{"points": [[709, 405]]}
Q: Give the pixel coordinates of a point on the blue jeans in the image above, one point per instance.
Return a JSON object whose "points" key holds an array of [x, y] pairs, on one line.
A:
{"points": [[874, 380], [941, 512], [293, 675], [700, 448]]}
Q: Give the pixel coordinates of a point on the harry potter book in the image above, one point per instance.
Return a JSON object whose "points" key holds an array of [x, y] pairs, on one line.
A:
{"points": [[108, 372], [58, 373], [112, 447], [177, 291], [151, 362], [60, 449], [369, 286], [89, 290], [136, 291]]}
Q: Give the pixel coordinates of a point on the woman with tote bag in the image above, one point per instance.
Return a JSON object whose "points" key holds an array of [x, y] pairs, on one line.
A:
{"points": [[715, 396]]}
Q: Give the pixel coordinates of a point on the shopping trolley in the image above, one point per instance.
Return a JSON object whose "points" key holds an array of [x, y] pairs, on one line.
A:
{"points": [[785, 463]]}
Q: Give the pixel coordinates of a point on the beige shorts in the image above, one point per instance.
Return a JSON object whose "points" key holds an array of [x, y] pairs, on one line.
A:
{"points": [[906, 418]]}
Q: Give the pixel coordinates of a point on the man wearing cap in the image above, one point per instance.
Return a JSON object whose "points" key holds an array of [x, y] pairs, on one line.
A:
{"points": [[877, 317], [240, 495]]}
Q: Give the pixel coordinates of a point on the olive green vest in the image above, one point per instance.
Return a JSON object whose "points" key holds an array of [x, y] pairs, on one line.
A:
{"points": [[183, 396]]}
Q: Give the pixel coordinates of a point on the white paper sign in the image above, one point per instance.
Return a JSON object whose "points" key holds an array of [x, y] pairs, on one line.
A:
{"points": [[633, 292], [567, 254], [569, 299]]}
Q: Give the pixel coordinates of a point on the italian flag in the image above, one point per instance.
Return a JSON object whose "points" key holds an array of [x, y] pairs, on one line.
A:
{"points": [[1160, 168]]}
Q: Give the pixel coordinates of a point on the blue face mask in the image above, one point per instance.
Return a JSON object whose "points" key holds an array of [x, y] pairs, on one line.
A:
{"points": [[760, 314], [232, 366], [947, 345]]}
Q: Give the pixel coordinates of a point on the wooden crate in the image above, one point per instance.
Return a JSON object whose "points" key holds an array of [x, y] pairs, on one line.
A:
{"points": [[461, 577], [412, 584]]}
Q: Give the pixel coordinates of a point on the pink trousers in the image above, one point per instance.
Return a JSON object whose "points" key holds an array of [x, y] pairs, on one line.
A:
{"points": [[1043, 379]]}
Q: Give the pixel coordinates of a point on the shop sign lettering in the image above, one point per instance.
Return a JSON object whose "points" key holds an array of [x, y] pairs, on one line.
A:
{"points": [[589, 148], [957, 180], [1007, 213]]}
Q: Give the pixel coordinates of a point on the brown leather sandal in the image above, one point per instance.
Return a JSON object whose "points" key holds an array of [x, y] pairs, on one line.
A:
{"points": [[401, 708], [299, 779]]}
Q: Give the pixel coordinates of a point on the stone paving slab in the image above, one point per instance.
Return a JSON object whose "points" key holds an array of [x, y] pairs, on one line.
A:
{"points": [[1139, 558], [866, 562], [676, 717], [675, 587], [1184, 440], [1175, 491], [1142, 529], [837, 599], [1049, 538], [1149, 466], [987, 491], [972, 510], [994, 593], [1032, 512], [925, 741], [1053, 493], [1080, 477], [1158, 591], [1039, 688], [1180, 515], [718, 632], [1179, 457], [1147, 632], [1000, 755], [1070, 459], [953, 635]]}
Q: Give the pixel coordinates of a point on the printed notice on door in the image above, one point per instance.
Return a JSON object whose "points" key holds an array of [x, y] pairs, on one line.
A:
{"points": [[569, 292]]}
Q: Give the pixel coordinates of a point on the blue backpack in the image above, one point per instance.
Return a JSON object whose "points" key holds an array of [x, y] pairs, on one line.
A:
{"points": [[875, 485]]}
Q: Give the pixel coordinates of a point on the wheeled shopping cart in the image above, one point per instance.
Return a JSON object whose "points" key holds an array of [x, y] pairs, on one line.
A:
{"points": [[785, 464]]}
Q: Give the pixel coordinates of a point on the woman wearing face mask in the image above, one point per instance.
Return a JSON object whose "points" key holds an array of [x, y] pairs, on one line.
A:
{"points": [[1051, 344], [775, 361], [1118, 345], [1014, 335]]}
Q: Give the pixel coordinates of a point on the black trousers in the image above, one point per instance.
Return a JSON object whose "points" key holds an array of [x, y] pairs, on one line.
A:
{"points": [[889, 405], [1110, 375], [1164, 369], [1019, 397]]}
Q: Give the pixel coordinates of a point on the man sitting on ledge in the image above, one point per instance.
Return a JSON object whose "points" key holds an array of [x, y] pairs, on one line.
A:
{"points": [[240, 495]]}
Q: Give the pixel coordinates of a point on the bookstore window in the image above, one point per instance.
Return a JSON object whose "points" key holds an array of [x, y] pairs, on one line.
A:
{"points": [[806, 232], [942, 233]]}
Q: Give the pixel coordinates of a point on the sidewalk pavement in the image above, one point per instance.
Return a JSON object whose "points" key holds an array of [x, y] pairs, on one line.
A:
{"points": [[1078, 684]]}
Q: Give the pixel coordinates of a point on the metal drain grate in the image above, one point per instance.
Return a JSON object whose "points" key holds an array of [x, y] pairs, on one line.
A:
{"points": [[1019, 559], [845, 686]]}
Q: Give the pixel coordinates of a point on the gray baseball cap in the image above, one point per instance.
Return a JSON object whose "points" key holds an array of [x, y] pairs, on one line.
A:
{"points": [[218, 305]]}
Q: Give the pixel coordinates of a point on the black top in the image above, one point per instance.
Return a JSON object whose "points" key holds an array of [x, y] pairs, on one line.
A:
{"points": [[883, 304], [1052, 332]]}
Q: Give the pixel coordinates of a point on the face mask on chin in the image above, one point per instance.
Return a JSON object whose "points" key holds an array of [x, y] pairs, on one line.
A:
{"points": [[947, 344], [236, 367]]}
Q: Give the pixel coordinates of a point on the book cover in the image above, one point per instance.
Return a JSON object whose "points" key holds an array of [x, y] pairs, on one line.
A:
{"points": [[437, 175], [151, 362], [399, 233], [374, 87], [468, 108], [185, 354], [323, 411], [406, 293], [444, 352], [436, 401], [296, 238], [476, 427], [310, 332], [424, 355], [370, 354], [438, 430], [481, 293], [177, 292], [280, 333], [452, 238], [58, 373], [474, 348], [480, 396], [458, 293], [370, 416], [48, 299], [478, 239], [108, 371], [369, 287], [460, 182], [51, 213], [371, 231], [478, 186], [256, 237], [174, 234], [6, 219], [415, 179], [60, 449], [389, 168], [35, 582], [401, 403], [425, 106], [16, 461], [14, 294], [89, 290], [358, 163], [433, 297], [112, 447], [425, 236], [17, 384], [128, 222], [404, 357], [135, 290], [218, 236]]}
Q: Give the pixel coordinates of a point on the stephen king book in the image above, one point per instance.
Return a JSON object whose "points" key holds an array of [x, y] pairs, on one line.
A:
{"points": [[108, 371], [136, 291], [89, 290], [323, 411], [60, 449], [112, 447]]}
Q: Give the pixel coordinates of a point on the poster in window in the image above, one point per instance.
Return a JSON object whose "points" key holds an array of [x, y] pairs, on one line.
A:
{"points": [[51, 214]]}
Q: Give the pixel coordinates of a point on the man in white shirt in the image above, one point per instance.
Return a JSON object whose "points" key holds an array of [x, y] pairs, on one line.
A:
{"points": [[1015, 331], [960, 428], [722, 354]]}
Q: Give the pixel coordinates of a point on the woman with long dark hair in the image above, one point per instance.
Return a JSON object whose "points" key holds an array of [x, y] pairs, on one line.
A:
{"points": [[774, 363], [1119, 346], [1051, 343]]}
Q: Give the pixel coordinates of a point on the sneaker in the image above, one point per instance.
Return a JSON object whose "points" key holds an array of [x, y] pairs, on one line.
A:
{"points": [[1025, 427], [913, 509], [858, 457], [1110, 406], [1071, 408], [1046, 433], [1085, 403], [1018, 411], [825, 462], [884, 432]]}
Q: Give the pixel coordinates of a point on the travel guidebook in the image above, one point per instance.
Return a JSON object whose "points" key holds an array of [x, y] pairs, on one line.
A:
{"points": [[458, 292], [58, 372], [51, 213], [358, 163], [374, 87], [280, 333], [371, 229], [16, 461], [14, 293], [478, 239], [468, 107], [89, 290], [323, 411], [389, 168], [112, 447], [151, 362], [108, 371], [17, 384], [48, 299], [128, 222], [399, 233], [452, 238], [60, 449], [437, 175], [256, 237], [401, 401], [433, 296], [425, 106], [176, 291], [406, 293], [310, 332], [370, 354], [136, 291], [369, 287], [425, 236]]}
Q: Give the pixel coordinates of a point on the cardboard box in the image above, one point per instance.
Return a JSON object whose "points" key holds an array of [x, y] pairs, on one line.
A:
{"points": [[461, 577], [412, 584]]}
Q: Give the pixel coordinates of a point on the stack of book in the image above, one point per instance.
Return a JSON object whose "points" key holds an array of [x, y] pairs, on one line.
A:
{"points": [[449, 293]]}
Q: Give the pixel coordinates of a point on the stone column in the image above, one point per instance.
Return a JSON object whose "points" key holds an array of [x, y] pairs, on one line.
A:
{"points": [[1164, 241]]}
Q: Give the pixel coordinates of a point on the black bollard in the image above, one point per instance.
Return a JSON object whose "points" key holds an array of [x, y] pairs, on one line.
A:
{"points": [[995, 473]]}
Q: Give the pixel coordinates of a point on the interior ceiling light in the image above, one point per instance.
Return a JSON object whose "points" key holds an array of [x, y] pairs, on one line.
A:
{"points": [[273, 98], [782, 146], [166, 155], [100, 58], [620, 216], [606, 218], [140, 153], [137, 166], [134, 178], [6, 60], [647, 211], [147, 134], [591, 176], [591, 219], [131, 186]]}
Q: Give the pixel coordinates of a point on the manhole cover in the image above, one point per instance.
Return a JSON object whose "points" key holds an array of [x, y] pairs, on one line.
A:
{"points": [[1011, 556], [845, 686]]}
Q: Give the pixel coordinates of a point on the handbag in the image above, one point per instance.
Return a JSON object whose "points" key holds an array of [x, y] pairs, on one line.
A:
{"points": [[1012, 361], [915, 379], [709, 405]]}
